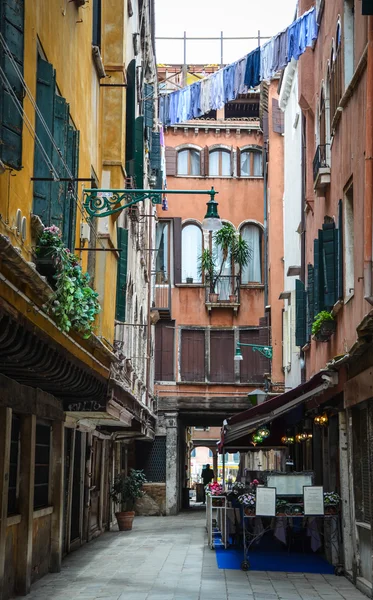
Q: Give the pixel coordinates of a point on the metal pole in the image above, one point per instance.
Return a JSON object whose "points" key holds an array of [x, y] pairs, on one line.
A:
{"points": [[185, 61], [221, 49], [223, 468], [258, 37]]}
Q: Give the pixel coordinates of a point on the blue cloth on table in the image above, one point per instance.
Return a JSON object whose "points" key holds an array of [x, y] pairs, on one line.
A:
{"points": [[239, 77], [228, 76], [252, 72]]}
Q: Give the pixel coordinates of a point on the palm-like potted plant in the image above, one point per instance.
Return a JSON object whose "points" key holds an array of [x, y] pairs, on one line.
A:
{"points": [[211, 266], [125, 491], [323, 326]]}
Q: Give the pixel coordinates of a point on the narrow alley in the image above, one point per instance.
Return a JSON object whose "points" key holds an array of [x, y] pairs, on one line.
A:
{"points": [[168, 559]]}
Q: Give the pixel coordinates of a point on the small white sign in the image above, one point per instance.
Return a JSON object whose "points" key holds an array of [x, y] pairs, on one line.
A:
{"points": [[265, 502], [313, 497]]}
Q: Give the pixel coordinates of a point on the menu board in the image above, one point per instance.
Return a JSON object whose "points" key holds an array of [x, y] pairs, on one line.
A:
{"points": [[313, 497], [265, 502], [290, 484]]}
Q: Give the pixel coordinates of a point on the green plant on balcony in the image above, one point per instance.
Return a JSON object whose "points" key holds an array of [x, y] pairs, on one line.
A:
{"points": [[230, 244], [323, 326], [74, 304]]}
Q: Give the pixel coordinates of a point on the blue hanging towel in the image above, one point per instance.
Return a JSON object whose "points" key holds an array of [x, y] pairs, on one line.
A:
{"points": [[195, 100], [239, 77], [252, 73], [280, 51], [217, 90], [228, 74]]}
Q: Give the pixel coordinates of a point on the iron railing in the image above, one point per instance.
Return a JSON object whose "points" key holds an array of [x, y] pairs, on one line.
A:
{"points": [[321, 159], [227, 290]]}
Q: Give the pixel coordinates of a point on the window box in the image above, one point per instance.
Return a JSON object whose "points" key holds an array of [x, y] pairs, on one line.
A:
{"points": [[326, 331], [321, 168], [46, 265]]}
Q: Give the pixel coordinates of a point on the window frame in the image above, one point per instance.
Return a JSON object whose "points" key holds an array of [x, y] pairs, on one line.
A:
{"points": [[220, 150], [251, 151], [251, 284], [189, 150]]}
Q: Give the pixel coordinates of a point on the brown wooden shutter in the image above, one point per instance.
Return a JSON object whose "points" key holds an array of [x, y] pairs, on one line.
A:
{"points": [[206, 160], [221, 356], [177, 249], [238, 162], [192, 363], [170, 161], [277, 117], [250, 367], [202, 163], [232, 162], [164, 350]]}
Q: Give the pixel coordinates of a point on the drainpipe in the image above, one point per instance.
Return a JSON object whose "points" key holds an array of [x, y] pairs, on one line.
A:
{"points": [[265, 227], [368, 192]]}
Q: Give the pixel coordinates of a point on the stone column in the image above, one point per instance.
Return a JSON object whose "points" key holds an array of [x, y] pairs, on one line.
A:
{"points": [[172, 463], [346, 490]]}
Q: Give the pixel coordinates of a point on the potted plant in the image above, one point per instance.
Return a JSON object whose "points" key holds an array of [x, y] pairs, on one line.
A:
{"points": [[189, 280], [323, 326], [331, 502], [231, 245], [281, 506], [125, 490], [248, 501], [213, 490]]}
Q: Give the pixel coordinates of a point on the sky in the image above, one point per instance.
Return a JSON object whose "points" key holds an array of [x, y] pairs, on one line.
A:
{"points": [[207, 18]]}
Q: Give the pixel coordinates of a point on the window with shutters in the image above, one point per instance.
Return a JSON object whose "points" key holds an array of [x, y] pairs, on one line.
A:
{"points": [[251, 163], [11, 90], [42, 465], [189, 162], [220, 163], [190, 253], [162, 248], [130, 117], [122, 240], [253, 235], [14, 465], [148, 105], [335, 71], [222, 356], [277, 117], [254, 365], [192, 359], [349, 226], [164, 350], [139, 153], [301, 313], [55, 201]]}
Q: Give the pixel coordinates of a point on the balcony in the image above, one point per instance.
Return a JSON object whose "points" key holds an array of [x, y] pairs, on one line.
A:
{"points": [[161, 294], [321, 167], [227, 293]]}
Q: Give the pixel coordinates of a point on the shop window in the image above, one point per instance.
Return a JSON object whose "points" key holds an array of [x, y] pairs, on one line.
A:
{"points": [[191, 252], [189, 162], [251, 163], [349, 271], [42, 465], [14, 466], [252, 272], [220, 163]]}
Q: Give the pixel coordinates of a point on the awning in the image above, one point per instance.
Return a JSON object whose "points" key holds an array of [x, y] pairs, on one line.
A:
{"points": [[239, 426]]}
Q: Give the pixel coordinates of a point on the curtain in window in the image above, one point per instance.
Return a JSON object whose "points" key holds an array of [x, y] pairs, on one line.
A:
{"points": [[257, 156], [252, 272], [161, 244], [188, 162], [190, 253], [220, 163], [245, 164], [195, 162], [182, 162], [254, 169], [214, 162]]}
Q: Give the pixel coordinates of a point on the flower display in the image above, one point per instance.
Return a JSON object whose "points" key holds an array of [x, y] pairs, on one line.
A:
{"points": [[238, 488], [331, 498], [214, 489], [247, 500]]}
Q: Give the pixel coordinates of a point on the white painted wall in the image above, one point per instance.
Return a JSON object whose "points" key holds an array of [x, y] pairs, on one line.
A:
{"points": [[292, 214]]}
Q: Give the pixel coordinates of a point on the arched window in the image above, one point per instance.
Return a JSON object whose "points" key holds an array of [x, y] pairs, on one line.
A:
{"points": [[252, 272], [220, 163], [189, 162], [210, 453], [251, 163], [191, 251], [193, 453]]}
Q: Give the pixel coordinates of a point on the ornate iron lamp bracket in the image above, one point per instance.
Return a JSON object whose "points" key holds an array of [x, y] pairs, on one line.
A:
{"points": [[267, 351], [103, 203]]}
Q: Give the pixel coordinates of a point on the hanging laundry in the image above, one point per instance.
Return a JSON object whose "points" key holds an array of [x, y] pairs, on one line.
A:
{"points": [[266, 61], [206, 95], [280, 50], [252, 73], [217, 90], [174, 101], [239, 77], [228, 76], [301, 34], [195, 101]]}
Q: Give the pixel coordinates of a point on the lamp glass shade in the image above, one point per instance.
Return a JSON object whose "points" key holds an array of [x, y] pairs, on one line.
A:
{"points": [[238, 354], [212, 221]]}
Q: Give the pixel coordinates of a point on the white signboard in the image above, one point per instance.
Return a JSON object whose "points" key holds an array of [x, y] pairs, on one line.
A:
{"points": [[289, 485], [313, 496], [265, 502]]}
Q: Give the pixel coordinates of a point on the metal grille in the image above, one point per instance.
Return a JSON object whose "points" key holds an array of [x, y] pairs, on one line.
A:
{"points": [[152, 459]]}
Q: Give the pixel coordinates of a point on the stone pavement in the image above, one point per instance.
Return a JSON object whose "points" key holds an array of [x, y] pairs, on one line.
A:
{"points": [[166, 558]]}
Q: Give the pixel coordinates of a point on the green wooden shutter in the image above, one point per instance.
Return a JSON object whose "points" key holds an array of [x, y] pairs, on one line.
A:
{"points": [[340, 252], [139, 153], [148, 105], [71, 189], [155, 154], [316, 277], [310, 299], [329, 258], [11, 122], [130, 111], [300, 313], [58, 195], [120, 311], [45, 95]]}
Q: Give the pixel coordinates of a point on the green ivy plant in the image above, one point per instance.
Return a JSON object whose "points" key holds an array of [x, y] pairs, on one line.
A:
{"points": [[319, 319], [74, 304], [126, 489]]}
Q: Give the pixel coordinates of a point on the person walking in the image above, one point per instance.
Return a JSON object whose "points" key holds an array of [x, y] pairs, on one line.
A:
{"points": [[207, 476]]}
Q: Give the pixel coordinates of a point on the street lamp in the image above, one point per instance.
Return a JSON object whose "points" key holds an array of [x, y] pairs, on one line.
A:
{"points": [[212, 221], [265, 350]]}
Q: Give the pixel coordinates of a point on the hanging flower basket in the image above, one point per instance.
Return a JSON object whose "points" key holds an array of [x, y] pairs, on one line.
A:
{"points": [[326, 331]]}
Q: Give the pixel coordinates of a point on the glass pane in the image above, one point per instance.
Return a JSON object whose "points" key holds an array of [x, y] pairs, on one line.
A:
{"points": [[191, 251], [245, 164], [161, 262], [225, 282], [225, 163], [182, 162], [195, 162], [214, 162], [253, 270], [257, 164]]}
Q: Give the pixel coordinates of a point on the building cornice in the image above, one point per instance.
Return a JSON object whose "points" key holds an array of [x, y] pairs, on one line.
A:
{"points": [[287, 83]]}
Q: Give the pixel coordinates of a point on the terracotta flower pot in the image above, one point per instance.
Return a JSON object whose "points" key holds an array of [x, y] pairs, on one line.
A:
{"points": [[213, 298], [125, 520], [232, 298]]}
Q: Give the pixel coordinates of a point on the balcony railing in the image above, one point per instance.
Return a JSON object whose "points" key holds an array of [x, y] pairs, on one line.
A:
{"points": [[161, 293], [226, 292], [321, 166]]}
